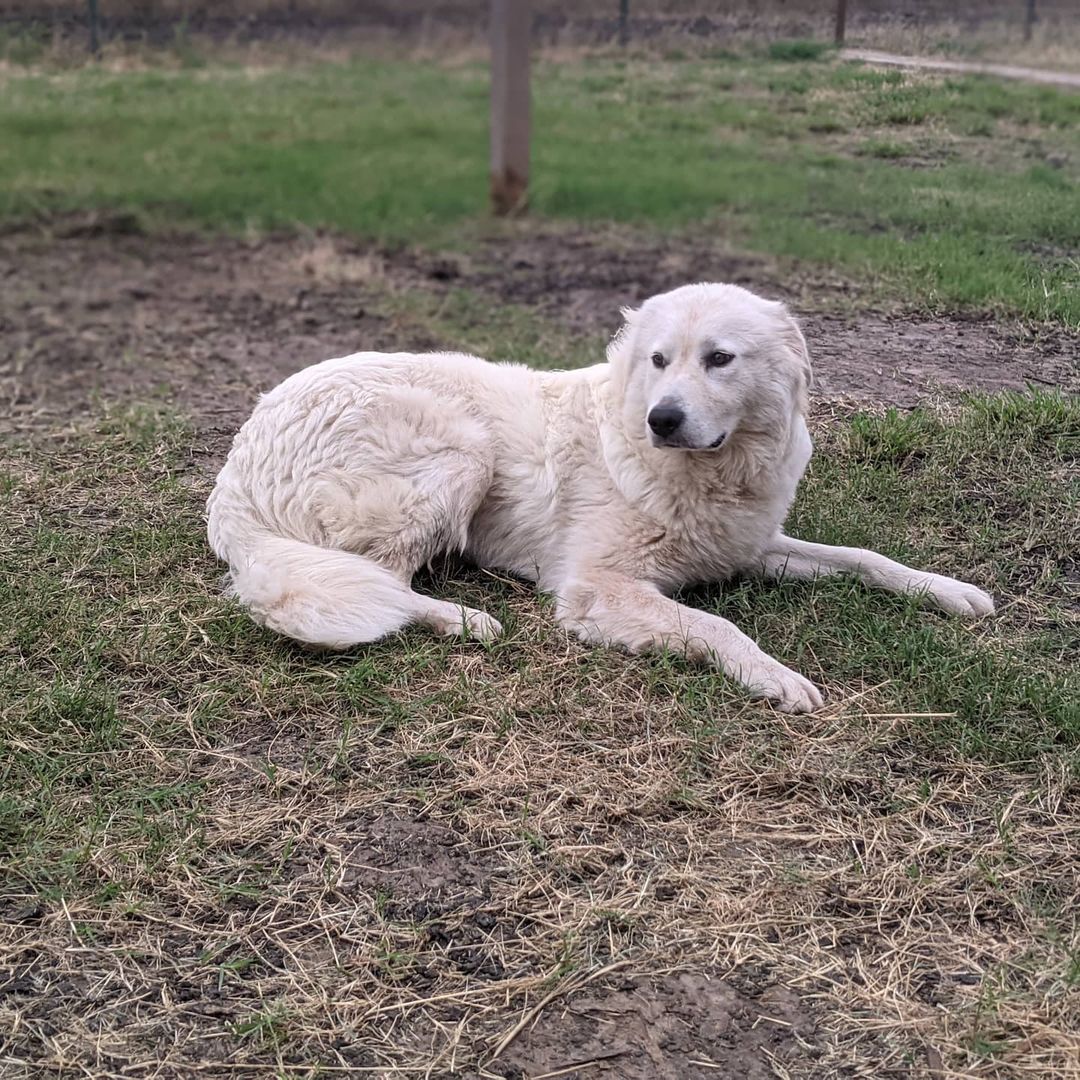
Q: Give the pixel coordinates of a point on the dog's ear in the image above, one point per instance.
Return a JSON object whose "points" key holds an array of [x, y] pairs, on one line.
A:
{"points": [[619, 347], [793, 338]]}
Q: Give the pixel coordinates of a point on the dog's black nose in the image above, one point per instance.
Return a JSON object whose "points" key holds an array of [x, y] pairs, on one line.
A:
{"points": [[665, 419]]}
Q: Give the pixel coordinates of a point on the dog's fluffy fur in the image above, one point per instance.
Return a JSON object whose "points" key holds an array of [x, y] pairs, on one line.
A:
{"points": [[354, 473]]}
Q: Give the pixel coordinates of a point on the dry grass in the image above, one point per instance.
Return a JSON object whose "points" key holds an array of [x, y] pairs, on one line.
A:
{"points": [[326, 262], [901, 895]]}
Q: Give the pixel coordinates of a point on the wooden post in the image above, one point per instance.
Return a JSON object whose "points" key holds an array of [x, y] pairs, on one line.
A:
{"points": [[511, 25], [841, 20], [624, 22], [95, 41], [1029, 19]]}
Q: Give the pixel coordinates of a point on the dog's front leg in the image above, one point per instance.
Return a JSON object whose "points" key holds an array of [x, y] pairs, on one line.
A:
{"points": [[788, 557], [611, 609]]}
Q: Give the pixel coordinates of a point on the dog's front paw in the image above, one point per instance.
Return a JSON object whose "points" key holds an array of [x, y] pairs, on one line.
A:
{"points": [[956, 597], [787, 690]]}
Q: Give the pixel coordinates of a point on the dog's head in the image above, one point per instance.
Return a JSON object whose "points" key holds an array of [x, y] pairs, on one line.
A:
{"points": [[699, 363]]}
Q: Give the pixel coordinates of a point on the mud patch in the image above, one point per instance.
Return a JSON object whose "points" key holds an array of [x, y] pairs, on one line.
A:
{"points": [[205, 325], [92, 310], [678, 1027], [900, 360], [422, 868], [583, 279]]}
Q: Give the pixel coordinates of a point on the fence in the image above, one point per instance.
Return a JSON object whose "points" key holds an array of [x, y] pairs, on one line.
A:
{"points": [[625, 22]]}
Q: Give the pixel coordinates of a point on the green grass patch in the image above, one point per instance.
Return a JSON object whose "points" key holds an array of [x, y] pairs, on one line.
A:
{"points": [[795, 157], [520, 335], [883, 148], [798, 50]]}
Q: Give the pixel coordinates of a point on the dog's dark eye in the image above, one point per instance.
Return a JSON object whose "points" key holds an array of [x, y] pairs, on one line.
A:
{"points": [[658, 359], [718, 358]]}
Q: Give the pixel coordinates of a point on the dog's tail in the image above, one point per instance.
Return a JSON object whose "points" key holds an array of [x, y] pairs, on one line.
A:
{"points": [[320, 596]]}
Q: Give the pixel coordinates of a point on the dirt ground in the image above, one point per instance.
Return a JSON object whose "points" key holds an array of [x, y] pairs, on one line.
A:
{"points": [[617, 1024], [91, 311]]}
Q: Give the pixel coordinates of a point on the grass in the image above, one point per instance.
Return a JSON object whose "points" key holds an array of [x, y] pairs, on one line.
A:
{"points": [[798, 50], [940, 190], [183, 792], [220, 853]]}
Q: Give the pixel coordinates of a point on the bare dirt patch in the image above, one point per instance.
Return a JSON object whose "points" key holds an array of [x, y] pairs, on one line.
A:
{"points": [[582, 280], [676, 1027], [91, 309]]}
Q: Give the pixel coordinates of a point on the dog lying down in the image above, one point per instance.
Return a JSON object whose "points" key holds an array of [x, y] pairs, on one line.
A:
{"points": [[675, 462]]}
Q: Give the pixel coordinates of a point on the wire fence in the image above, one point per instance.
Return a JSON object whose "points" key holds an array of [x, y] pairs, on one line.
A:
{"points": [[935, 25]]}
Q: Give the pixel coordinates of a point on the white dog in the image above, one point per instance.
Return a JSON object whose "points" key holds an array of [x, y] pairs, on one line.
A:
{"points": [[673, 463]]}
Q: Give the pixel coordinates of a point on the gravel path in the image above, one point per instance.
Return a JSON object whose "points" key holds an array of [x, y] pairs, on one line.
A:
{"points": [[1003, 71]]}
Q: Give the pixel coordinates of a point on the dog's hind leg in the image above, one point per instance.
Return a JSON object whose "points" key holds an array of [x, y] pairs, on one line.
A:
{"points": [[395, 486], [401, 526], [457, 620], [788, 557]]}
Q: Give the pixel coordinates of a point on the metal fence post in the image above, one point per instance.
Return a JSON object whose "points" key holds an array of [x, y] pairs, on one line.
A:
{"points": [[841, 21], [624, 22], [1029, 19], [511, 25]]}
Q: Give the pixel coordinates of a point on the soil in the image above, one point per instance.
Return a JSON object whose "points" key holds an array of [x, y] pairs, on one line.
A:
{"points": [[91, 310], [624, 1026], [679, 1027], [896, 358]]}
